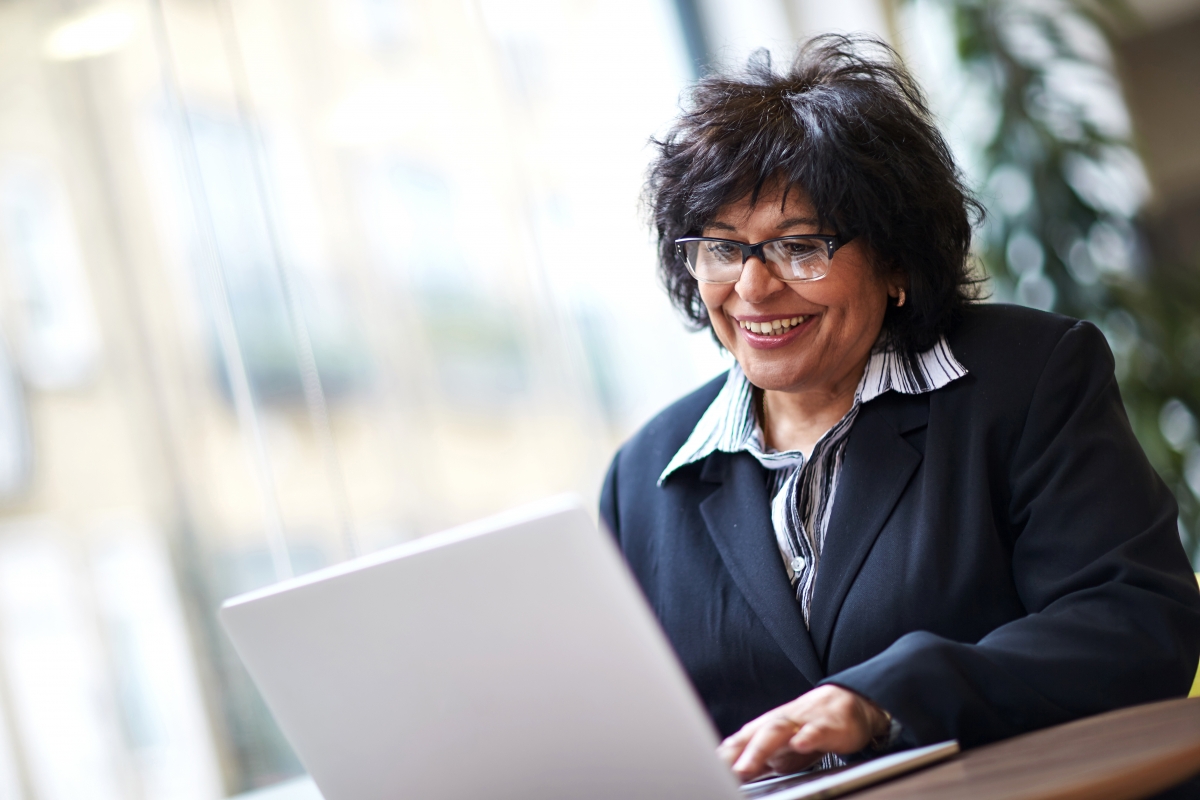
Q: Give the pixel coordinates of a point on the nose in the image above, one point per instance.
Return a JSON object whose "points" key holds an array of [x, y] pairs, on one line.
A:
{"points": [[756, 283]]}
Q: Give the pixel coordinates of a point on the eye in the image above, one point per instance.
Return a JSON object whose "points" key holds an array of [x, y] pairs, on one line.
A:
{"points": [[799, 249], [721, 251]]}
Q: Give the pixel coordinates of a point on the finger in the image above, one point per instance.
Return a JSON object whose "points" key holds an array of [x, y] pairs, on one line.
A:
{"points": [[786, 761], [812, 738], [768, 740], [828, 736], [732, 747], [729, 750]]}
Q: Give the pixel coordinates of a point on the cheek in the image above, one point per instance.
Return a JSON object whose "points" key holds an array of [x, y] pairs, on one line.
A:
{"points": [[861, 296], [714, 297], [873, 299]]}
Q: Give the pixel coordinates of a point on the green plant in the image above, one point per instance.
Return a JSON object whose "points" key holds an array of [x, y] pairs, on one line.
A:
{"points": [[1064, 188]]}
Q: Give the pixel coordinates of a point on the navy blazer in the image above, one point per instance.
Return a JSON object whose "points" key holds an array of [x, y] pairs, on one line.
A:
{"points": [[1000, 557]]}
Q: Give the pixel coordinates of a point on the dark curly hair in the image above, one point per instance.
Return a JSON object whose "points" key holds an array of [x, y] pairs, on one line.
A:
{"points": [[848, 126]]}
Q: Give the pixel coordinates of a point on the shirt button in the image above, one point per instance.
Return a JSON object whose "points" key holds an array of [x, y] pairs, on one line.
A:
{"points": [[797, 564]]}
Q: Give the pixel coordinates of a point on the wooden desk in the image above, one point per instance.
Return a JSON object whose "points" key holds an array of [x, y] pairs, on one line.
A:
{"points": [[1124, 755]]}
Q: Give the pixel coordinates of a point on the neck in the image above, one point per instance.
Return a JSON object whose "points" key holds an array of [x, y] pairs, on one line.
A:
{"points": [[797, 420]]}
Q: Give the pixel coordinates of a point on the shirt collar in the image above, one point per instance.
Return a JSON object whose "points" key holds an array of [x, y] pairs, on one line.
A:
{"points": [[728, 425]]}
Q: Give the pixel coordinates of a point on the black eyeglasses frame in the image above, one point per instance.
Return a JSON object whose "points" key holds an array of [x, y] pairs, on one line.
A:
{"points": [[832, 243]]}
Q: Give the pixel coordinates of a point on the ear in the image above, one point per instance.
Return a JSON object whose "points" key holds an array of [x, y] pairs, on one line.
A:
{"points": [[898, 287], [897, 282]]}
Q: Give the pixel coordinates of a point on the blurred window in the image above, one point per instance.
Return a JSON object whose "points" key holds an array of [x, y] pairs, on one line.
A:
{"points": [[404, 335], [59, 342]]}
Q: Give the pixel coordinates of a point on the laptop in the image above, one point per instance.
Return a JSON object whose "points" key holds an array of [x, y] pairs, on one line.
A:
{"points": [[514, 657]]}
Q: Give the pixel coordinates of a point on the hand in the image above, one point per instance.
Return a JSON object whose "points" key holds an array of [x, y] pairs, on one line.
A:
{"points": [[828, 719]]}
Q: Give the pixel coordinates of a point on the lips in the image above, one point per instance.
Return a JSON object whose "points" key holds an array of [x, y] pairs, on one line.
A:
{"points": [[768, 333]]}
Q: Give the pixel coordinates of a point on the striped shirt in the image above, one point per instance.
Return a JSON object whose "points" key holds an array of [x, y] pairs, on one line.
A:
{"points": [[803, 488]]}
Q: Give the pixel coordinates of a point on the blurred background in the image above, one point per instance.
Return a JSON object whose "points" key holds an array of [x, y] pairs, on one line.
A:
{"points": [[282, 281]]}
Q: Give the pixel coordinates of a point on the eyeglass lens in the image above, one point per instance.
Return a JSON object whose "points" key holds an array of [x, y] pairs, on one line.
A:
{"points": [[792, 259]]}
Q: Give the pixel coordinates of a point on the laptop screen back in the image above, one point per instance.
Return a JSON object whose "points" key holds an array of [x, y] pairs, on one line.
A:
{"points": [[513, 658]]}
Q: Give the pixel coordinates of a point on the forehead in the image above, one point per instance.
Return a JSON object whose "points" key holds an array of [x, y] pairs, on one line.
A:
{"points": [[774, 207]]}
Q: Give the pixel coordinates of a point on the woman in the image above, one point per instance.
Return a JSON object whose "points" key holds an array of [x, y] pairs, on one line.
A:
{"points": [[901, 517]]}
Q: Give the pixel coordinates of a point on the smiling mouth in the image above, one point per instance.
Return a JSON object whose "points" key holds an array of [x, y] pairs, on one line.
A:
{"points": [[774, 327]]}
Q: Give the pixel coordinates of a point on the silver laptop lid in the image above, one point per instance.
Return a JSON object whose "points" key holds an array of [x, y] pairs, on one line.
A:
{"points": [[511, 658]]}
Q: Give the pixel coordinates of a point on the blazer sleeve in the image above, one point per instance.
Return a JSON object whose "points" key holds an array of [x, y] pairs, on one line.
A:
{"points": [[608, 499], [1113, 609]]}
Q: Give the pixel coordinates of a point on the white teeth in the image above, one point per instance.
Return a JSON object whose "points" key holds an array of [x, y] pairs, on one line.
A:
{"points": [[773, 327]]}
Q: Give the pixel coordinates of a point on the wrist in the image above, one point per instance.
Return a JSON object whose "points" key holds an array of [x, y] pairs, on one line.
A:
{"points": [[881, 732], [879, 725]]}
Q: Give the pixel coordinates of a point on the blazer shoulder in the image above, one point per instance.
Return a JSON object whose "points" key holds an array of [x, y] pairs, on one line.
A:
{"points": [[656, 443], [1007, 342]]}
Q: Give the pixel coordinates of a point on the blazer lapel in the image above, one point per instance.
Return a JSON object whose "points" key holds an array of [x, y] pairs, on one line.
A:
{"points": [[738, 516], [876, 468]]}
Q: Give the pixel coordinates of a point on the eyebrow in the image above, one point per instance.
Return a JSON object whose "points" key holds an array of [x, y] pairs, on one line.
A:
{"points": [[796, 222], [787, 224]]}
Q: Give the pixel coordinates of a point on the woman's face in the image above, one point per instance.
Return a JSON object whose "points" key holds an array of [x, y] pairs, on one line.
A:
{"points": [[841, 313]]}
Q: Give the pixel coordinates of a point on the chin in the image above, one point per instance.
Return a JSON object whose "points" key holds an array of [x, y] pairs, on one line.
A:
{"points": [[770, 377]]}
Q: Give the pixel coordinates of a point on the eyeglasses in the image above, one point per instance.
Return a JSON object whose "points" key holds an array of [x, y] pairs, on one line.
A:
{"points": [[792, 259]]}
